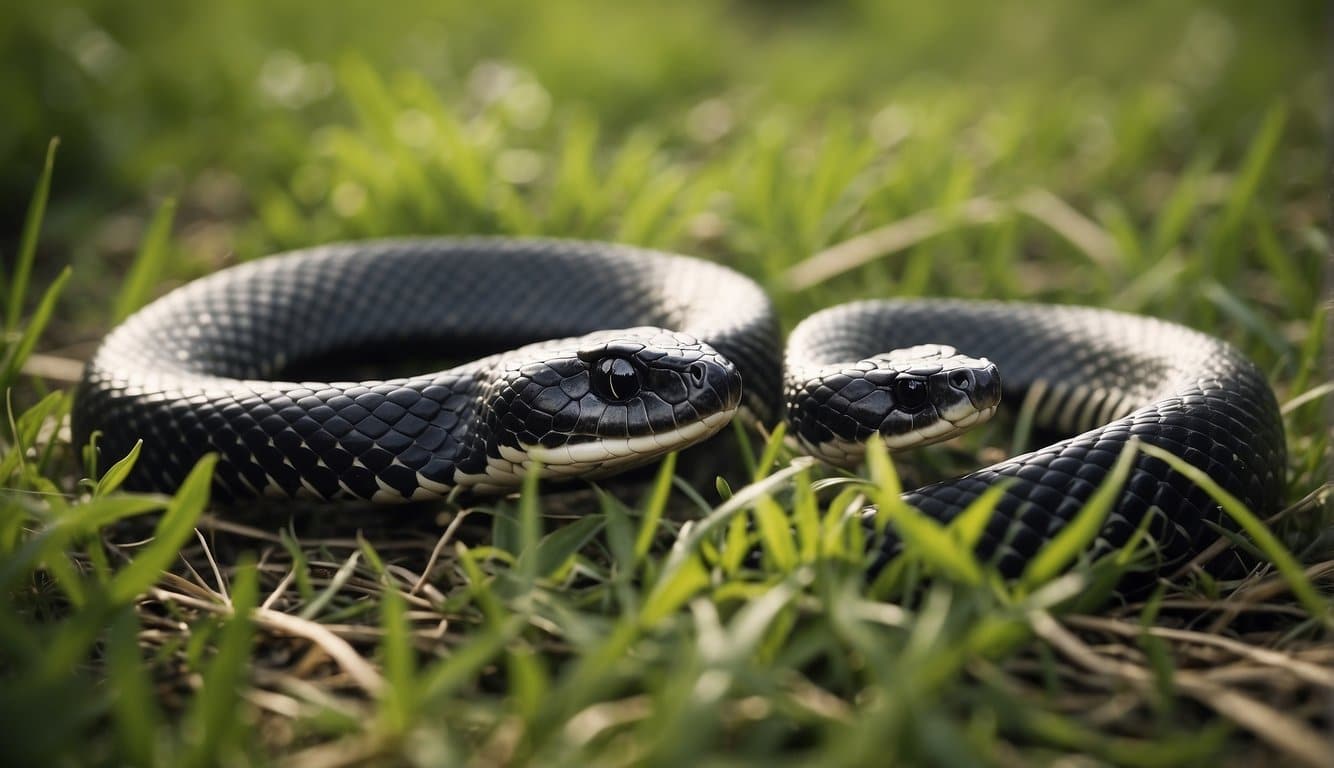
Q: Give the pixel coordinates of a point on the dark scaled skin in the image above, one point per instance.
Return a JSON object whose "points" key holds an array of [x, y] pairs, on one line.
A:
{"points": [[1100, 377], [909, 397], [192, 372]]}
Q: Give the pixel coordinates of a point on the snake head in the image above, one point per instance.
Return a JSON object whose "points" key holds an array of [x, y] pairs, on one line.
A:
{"points": [[603, 402], [910, 397]]}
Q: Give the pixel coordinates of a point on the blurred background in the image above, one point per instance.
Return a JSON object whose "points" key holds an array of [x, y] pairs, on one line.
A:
{"points": [[757, 132]]}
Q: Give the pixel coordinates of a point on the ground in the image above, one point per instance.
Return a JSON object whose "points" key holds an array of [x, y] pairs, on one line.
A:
{"points": [[1161, 157]]}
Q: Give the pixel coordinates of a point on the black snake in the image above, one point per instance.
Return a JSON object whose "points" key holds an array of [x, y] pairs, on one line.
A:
{"points": [[650, 355]]}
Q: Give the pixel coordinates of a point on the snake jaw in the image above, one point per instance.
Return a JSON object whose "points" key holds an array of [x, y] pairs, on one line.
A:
{"points": [[600, 403], [911, 397]]}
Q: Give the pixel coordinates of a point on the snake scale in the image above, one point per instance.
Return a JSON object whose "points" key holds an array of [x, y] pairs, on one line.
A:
{"points": [[596, 357]]}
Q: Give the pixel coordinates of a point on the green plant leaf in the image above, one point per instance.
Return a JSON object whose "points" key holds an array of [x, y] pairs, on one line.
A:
{"points": [[654, 506], [213, 713], [1287, 565], [1072, 540], [17, 354], [119, 471], [175, 527], [149, 264], [32, 228]]}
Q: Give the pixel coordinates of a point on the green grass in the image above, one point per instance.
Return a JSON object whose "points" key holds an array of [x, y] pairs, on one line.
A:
{"points": [[1163, 158]]}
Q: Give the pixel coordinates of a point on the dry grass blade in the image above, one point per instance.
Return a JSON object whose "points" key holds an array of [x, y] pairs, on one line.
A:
{"points": [[1261, 593], [891, 238], [595, 720], [1078, 229], [343, 654], [361, 671], [439, 548], [1293, 737], [213, 564], [1298, 668], [354, 750], [53, 368]]}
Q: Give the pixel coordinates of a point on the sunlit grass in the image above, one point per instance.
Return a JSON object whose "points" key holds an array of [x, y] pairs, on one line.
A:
{"points": [[666, 620]]}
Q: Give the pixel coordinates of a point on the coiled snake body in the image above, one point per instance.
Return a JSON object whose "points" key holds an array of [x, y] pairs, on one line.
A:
{"points": [[652, 353]]}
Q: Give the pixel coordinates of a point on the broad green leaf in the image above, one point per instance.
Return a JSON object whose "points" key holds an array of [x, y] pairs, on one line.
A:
{"points": [[771, 448], [736, 545], [673, 590], [886, 480], [806, 517]]}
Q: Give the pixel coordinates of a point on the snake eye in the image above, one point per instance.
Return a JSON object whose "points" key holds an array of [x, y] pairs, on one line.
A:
{"points": [[910, 394], [616, 378]]}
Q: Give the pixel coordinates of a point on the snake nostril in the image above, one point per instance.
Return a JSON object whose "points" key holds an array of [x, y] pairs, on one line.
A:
{"points": [[960, 380], [698, 373]]}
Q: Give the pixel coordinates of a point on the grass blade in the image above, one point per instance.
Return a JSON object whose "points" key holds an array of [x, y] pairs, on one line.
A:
{"points": [[400, 665], [776, 533], [1287, 565], [932, 544], [1065, 546], [1258, 158], [26, 431], [176, 525], [134, 708], [149, 264], [530, 525], [118, 471], [17, 355], [32, 227], [654, 506], [771, 448], [971, 523], [213, 714], [557, 549]]}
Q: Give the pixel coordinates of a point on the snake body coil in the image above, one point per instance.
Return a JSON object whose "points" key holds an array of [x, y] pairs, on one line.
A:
{"points": [[1097, 378], [627, 378], [651, 354]]}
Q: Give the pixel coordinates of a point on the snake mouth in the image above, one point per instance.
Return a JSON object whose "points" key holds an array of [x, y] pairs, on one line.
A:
{"points": [[622, 401], [614, 453], [712, 397], [911, 397]]}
